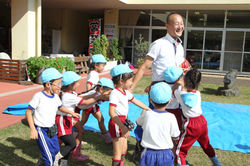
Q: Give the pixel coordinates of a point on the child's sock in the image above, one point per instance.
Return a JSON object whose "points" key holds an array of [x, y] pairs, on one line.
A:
{"points": [[122, 159], [64, 162], [215, 161], [57, 158], [116, 162]]}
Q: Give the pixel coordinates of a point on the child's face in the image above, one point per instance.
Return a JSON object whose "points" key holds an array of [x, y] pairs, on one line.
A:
{"points": [[99, 67], [75, 85], [180, 81], [128, 84], [56, 86], [105, 94]]}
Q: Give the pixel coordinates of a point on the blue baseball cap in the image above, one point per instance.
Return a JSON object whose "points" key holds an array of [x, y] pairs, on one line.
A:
{"points": [[70, 77], [189, 99], [106, 82], [98, 58], [172, 74], [50, 74], [120, 69], [160, 93]]}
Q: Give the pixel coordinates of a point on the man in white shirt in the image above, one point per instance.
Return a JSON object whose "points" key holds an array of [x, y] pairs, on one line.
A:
{"points": [[164, 52]]}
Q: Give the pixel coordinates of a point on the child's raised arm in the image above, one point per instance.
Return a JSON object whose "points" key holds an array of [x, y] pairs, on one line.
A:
{"points": [[65, 110], [140, 104], [33, 132], [91, 100]]}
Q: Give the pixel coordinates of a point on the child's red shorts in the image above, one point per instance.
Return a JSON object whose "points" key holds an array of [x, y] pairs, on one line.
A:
{"points": [[64, 125], [114, 130], [92, 110]]}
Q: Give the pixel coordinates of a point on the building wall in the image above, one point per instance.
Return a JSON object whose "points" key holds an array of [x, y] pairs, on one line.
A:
{"points": [[74, 31], [52, 18], [73, 25], [111, 16]]}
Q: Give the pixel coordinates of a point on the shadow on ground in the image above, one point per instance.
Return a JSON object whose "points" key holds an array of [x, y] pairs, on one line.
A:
{"points": [[209, 91], [10, 156]]}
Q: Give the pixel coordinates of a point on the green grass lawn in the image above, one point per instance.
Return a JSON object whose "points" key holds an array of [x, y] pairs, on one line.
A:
{"points": [[16, 149]]}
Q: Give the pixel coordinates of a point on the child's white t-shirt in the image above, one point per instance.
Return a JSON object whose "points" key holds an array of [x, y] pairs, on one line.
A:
{"points": [[159, 127], [174, 104], [187, 111], [70, 101], [120, 100], [45, 108], [92, 78]]}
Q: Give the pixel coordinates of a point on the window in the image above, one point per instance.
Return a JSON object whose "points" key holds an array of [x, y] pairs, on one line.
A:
{"points": [[158, 33], [195, 39], [213, 40], [194, 58], [234, 41], [247, 42], [211, 60], [232, 61], [246, 63], [126, 36], [204, 18], [238, 19], [159, 17], [134, 17]]}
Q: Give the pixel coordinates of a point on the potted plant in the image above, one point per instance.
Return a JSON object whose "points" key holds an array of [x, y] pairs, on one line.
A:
{"points": [[141, 49], [109, 50]]}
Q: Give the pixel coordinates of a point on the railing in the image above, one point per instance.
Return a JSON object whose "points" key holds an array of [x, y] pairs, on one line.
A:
{"points": [[12, 70]]}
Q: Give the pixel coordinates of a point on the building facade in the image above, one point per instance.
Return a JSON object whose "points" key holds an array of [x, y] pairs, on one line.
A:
{"points": [[216, 37], [214, 40]]}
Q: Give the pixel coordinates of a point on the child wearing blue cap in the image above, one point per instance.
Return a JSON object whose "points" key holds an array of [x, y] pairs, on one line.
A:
{"points": [[195, 124], [122, 77], [104, 88], [70, 100], [160, 128], [97, 66], [44, 106], [171, 75]]}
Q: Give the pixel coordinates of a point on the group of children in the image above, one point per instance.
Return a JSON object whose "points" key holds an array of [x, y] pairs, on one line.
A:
{"points": [[53, 112], [176, 117]]}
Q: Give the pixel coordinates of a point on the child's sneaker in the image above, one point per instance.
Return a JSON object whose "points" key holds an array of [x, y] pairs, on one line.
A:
{"points": [[107, 138], [77, 155], [215, 161]]}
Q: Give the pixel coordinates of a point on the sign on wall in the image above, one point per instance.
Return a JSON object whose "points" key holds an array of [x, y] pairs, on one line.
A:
{"points": [[109, 31], [94, 31]]}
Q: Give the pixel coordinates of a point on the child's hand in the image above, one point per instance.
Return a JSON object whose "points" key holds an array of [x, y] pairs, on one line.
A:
{"points": [[33, 134], [125, 131], [147, 89], [76, 115]]}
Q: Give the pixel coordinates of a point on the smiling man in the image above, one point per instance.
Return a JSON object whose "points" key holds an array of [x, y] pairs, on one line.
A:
{"points": [[164, 52]]}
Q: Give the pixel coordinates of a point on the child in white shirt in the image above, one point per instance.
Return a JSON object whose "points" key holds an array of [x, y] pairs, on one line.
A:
{"points": [[44, 106], [159, 128], [122, 77]]}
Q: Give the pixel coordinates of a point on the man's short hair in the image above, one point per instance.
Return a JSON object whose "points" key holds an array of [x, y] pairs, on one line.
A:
{"points": [[168, 17]]}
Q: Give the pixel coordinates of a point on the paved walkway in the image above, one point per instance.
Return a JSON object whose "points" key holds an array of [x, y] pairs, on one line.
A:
{"points": [[12, 93]]}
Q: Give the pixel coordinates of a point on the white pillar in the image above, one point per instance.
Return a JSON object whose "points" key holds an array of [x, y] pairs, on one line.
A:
{"points": [[38, 28], [26, 37]]}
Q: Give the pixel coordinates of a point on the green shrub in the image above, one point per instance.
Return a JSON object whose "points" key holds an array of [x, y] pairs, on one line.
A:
{"points": [[100, 46], [114, 50], [35, 63], [141, 49]]}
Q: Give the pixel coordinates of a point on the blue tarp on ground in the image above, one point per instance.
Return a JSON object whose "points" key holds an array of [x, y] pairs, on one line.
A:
{"points": [[228, 124]]}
